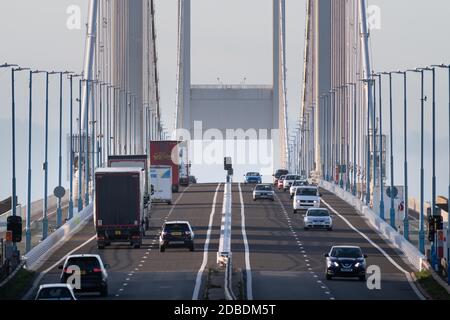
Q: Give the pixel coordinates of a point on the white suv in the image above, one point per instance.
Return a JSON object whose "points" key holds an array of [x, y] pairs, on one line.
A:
{"points": [[306, 198], [290, 178]]}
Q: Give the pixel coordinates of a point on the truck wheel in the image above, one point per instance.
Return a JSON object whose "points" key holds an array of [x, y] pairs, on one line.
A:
{"points": [[191, 248], [100, 246], [162, 249], [137, 246], [169, 203], [147, 223]]}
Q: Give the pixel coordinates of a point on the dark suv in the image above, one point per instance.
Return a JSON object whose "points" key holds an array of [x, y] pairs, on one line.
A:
{"points": [[346, 261], [94, 277], [176, 234]]}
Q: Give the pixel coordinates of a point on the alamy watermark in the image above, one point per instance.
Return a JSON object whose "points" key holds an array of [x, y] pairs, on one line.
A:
{"points": [[374, 17], [73, 21]]}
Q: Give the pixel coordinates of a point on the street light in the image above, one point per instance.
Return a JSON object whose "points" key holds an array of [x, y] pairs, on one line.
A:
{"points": [[333, 136], [59, 209], [13, 200], [30, 115], [354, 135], [433, 179], [421, 223], [13, 137], [70, 214], [392, 210], [369, 82], [448, 197], [405, 134]]}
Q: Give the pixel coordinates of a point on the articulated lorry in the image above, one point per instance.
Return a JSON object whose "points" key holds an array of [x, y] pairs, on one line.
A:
{"points": [[119, 206], [138, 161]]}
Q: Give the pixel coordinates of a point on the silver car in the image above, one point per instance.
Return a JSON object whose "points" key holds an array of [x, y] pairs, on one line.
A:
{"points": [[318, 218], [264, 191]]}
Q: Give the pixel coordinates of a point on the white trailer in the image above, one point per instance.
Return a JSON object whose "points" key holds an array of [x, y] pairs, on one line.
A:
{"points": [[161, 177]]}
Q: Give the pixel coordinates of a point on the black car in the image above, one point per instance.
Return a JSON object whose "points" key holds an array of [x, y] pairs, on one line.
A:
{"points": [[94, 277], [176, 234], [346, 261]]}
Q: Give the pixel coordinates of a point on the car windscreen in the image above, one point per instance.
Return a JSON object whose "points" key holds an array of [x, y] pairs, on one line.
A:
{"points": [[290, 177], [353, 253], [176, 227], [84, 263], [299, 183], [55, 293], [307, 192], [253, 174], [318, 213], [264, 188], [280, 173]]}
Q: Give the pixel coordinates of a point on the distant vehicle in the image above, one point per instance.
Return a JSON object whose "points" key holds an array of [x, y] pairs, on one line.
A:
{"points": [[162, 181], [278, 174], [253, 177], [192, 180], [297, 183], [170, 153], [119, 206], [280, 182], [56, 291], [131, 161], [263, 191], [318, 218], [94, 277], [289, 180], [345, 261], [176, 234], [306, 198]]}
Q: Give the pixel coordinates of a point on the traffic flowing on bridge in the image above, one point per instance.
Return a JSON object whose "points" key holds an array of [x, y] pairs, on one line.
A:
{"points": [[340, 195]]}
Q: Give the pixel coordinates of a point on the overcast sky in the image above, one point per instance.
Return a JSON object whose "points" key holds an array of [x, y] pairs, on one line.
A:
{"points": [[230, 40]]}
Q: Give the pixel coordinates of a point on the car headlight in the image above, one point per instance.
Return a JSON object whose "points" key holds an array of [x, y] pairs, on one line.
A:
{"points": [[333, 264], [298, 201], [359, 264]]}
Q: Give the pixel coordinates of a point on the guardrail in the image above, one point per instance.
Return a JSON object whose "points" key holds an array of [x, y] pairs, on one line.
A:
{"points": [[224, 255], [37, 256], [384, 229]]}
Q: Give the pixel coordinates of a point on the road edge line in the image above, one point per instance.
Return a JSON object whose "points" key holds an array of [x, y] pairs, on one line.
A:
{"points": [[198, 280], [248, 270]]}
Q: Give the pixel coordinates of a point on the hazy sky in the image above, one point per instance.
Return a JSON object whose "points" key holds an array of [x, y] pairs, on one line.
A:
{"points": [[231, 40]]}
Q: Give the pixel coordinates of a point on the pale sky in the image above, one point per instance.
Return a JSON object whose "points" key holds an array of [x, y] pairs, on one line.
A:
{"points": [[231, 40]]}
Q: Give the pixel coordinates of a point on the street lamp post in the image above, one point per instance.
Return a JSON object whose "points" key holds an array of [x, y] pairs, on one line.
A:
{"points": [[13, 200], [59, 209], [354, 136], [333, 135], [80, 145], [70, 214], [422, 107], [448, 197], [392, 210], [405, 165], [30, 118], [433, 178]]}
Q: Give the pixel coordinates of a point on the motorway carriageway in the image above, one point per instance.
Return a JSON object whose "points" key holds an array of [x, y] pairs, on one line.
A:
{"points": [[280, 260]]}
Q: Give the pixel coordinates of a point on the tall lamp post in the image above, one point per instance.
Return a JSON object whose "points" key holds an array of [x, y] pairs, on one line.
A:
{"points": [[13, 142], [380, 105], [392, 210], [59, 209], [422, 108], [448, 196], [30, 118], [405, 148], [354, 135], [70, 214], [13, 200], [434, 253]]}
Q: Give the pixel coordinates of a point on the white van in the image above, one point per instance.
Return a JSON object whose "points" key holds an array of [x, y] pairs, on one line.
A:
{"points": [[306, 197], [161, 179]]}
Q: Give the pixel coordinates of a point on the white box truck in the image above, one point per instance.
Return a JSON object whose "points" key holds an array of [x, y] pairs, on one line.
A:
{"points": [[161, 177]]}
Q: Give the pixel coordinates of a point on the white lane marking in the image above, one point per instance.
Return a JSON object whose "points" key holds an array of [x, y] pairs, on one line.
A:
{"points": [[248, 270], [198, 280], [43, 273], [392, 261]]}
